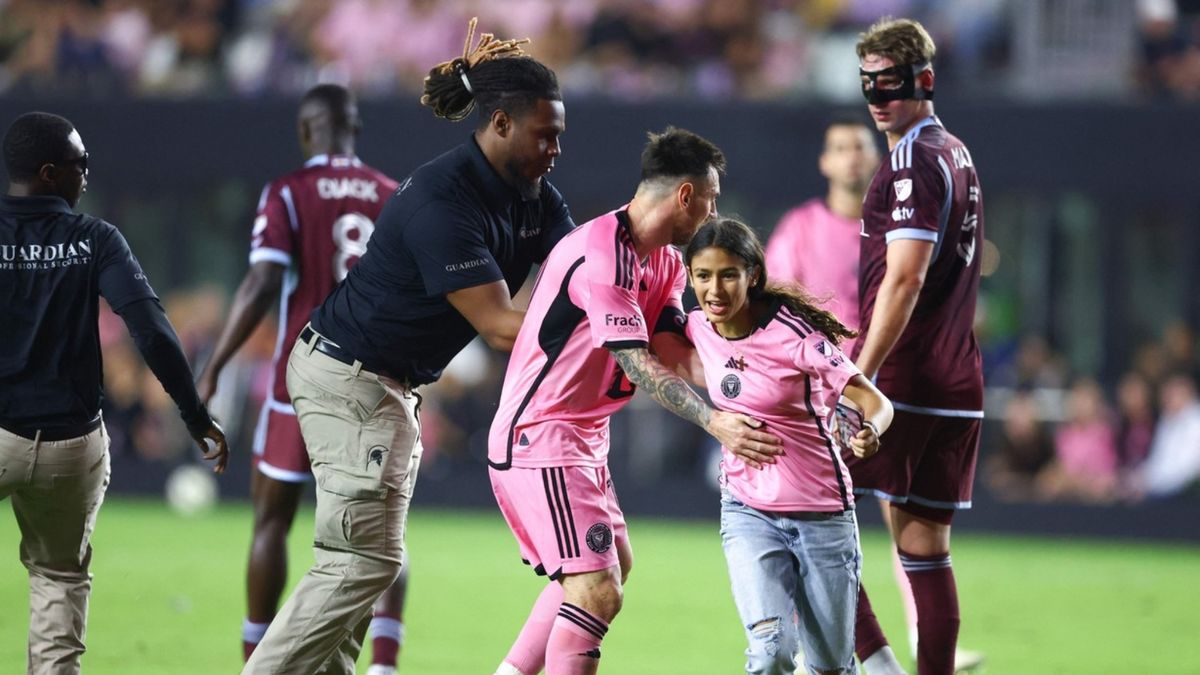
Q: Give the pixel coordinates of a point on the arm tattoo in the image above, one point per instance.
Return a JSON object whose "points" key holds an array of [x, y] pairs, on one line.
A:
{"points": [[665, 386]]}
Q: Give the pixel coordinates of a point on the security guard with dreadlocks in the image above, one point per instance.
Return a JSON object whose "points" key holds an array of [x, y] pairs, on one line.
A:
{"points": [[452, 246]]}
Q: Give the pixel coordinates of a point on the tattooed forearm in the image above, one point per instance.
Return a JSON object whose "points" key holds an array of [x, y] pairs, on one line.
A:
{"points": [[665, 386]]}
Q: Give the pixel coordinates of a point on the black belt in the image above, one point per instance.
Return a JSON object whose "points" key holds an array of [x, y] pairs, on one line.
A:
{"points": [[330, 349], [50, 434]]}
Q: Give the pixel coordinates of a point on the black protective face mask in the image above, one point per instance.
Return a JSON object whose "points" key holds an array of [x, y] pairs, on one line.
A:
{"points": [[907, 89]]}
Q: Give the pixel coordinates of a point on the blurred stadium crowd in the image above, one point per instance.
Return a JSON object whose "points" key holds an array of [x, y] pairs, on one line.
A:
{"points": [[631, 49], [1052, 434], [1054, 431]]}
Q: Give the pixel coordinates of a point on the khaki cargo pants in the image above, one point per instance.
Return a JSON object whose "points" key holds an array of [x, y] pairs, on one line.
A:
{"points": [[363, 439], [56, 489]]}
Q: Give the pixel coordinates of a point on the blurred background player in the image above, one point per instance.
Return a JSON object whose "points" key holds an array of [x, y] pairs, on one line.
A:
{"points": [[608, 293], [54, 459], [449, 250], [816, 244], [919, 279], [312, 226], [788, 529]]}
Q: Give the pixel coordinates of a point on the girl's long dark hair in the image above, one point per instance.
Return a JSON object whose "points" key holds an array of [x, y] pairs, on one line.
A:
{"points": [[737, 238]]}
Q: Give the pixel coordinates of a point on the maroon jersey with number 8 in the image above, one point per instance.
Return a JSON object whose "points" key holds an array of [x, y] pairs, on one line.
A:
{"points": [[316, 221]]}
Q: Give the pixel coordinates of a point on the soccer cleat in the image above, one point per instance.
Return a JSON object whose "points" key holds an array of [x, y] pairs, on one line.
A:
{"points": [[967, 661], [380, 669]]}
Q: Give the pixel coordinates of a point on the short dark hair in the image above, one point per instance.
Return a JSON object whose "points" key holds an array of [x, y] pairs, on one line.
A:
{"points": [[849, 118], [679, 153], [335, 98], [33, 140]]}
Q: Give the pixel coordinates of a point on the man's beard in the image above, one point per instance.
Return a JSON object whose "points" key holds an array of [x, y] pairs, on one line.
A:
{"points": [[528, 189]]}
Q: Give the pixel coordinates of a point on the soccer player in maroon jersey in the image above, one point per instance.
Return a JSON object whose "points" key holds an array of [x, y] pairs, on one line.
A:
{"points": [[312, 226], [919, 278]]}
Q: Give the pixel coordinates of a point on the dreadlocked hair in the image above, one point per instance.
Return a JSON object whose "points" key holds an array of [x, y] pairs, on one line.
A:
{"points": [[495, 74], [738, 239]]}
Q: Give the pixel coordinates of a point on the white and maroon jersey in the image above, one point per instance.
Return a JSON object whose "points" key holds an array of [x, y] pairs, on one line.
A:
{"points": [[928, 190], [315, 221], [818, 249], [790, 377], [593, 294]]}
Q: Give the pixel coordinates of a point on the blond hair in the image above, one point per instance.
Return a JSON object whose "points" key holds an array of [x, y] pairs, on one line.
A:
{"points": [[903, 41]]}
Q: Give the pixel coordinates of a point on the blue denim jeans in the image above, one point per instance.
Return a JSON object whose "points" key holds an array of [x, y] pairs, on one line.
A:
{"points": [[794, 576]]}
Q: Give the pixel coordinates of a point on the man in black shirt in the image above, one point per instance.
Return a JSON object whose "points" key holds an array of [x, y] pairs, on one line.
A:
{"points": [[451, 247], [54, 265]]}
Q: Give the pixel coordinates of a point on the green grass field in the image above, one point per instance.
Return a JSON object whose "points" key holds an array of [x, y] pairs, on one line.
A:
{"points": [[167, 598]]}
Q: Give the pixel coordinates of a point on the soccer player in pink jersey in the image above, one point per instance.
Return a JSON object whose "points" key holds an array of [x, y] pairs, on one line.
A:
{"points": [[919, 279], [608, 293], [788, 528], [312, 226], [816, 243]]}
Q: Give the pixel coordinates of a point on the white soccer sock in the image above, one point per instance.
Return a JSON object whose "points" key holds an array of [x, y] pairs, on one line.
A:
{"points": [[384, 627], [883, 662], [253, 632]]}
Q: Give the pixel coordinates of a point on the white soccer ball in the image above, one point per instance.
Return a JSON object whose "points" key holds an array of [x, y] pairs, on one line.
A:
{"points": [[191, 489]]}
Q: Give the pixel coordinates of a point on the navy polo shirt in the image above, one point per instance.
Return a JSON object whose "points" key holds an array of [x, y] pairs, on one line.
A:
{"points": [[453, 224], [54, 266]]}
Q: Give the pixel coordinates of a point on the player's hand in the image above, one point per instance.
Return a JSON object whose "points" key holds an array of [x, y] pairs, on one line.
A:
{"points": [[865, 443], [206, 386], [220, 450], [745, 438]]}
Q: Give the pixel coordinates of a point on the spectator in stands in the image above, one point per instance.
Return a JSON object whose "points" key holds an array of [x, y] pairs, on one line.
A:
{"points": [[1024, 450], [1136, 416], [1085, 464], [1174, 462]]}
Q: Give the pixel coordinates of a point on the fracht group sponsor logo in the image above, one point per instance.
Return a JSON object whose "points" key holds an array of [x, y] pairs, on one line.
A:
{"points": [[624, 324]]}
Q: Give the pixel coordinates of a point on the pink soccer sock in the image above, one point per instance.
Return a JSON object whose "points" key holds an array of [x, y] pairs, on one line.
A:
{"points": [[528, 653], [574, 647]]}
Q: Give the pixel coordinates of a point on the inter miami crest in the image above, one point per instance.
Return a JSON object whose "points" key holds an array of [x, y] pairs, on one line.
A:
{"points": [[375, 455], [599, 538], [731, 386]]}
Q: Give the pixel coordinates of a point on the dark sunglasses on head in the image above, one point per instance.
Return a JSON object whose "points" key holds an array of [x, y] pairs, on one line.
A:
{"points": [[81, 162]]}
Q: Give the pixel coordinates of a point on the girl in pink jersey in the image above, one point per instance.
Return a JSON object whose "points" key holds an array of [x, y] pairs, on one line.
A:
{"points": [[788, 529]]}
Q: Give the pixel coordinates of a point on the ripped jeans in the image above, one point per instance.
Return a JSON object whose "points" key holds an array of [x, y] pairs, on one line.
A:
{"points": [[794, 576]]}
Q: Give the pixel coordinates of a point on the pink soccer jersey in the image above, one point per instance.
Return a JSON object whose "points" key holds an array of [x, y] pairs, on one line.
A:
{"points": [[562, 383], [818, 249], [315, 221], [789, 376]]}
